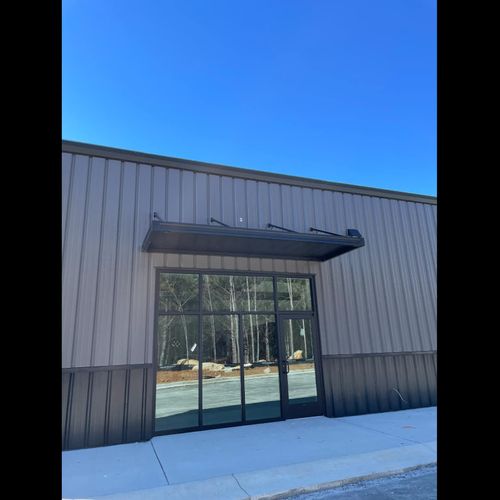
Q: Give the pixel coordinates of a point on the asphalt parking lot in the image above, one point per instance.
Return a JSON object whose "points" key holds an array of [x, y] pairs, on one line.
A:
{"points": [[420, 484]]}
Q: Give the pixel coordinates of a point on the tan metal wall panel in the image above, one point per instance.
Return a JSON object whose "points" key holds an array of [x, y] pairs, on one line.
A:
{"points": [[240, 203], [173, 195], [380, 298], [384, 295], [125, 256], [275, 212], [140, 265], [201, 199], [187, 196], [156, 260], [106, 284], [89, 264], [66, 174], [252, 217], [287, 207], [262, 204], [214, 198], [71, 262]]}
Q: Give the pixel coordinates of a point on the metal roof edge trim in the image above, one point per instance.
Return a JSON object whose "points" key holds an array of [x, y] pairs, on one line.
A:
{"points": [[243, 173]]}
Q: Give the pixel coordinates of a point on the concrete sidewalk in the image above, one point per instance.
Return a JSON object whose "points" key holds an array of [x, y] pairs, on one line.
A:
{"points": [[272, 460]]}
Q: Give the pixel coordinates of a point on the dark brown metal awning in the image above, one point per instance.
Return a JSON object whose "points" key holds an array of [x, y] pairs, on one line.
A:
{"points": [[171, 237]]}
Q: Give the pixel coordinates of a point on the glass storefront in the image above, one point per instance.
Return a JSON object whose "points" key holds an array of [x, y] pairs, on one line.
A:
{"points": [[218, 348]]}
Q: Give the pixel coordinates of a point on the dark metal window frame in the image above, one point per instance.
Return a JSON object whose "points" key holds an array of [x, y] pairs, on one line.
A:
{"points": [[200, 313]]}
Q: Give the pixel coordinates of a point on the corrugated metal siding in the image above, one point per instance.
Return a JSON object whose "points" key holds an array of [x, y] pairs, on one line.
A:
{"points": [[356, 385], [380, 298], [105, 407]]}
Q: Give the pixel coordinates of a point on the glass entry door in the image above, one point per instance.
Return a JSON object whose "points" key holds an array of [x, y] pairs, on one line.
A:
{"points": [[234, 349], [298, 367]]}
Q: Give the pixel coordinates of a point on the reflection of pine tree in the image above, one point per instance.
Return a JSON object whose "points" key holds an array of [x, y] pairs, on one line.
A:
{"points": [[212, 320], [179, 291], [290, 297], [257, 343], [165, 339], [266, 340], [305, 338], [234, 322], [249, 307]]}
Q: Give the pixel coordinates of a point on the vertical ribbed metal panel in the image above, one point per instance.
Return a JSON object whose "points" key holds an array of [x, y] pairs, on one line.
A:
{"points": [[89, 262], [355, 385], [106, 283], [105, 407], [97, 409], [380, 298], [72, 253], [140, 266], [77, 417]]}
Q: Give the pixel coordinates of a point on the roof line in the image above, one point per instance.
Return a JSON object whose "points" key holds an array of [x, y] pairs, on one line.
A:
{"points": [[244, 173]]}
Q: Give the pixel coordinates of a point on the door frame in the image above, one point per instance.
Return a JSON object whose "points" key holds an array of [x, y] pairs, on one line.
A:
{"points": [[289, 411], [313, 314]]}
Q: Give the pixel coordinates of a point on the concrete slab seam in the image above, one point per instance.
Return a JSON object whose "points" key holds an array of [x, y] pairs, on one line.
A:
{"points": [[337, 483], [243, 489], [159, 461]]}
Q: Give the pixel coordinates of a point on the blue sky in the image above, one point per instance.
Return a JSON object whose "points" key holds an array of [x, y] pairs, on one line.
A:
{"points": [[340, 90]]}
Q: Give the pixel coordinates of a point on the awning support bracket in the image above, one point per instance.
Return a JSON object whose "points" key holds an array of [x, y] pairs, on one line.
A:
{"points": [[218, 222], [279, 227]]}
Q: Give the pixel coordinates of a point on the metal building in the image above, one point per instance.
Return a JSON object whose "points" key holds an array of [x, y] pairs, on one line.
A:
{"points": [[198, 295]]}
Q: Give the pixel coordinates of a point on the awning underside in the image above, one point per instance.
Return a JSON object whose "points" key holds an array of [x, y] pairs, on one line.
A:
{"points": [[170, 237]]}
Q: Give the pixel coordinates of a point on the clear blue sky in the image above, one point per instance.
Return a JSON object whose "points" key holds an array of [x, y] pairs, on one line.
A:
{"points": [[340, 90]]}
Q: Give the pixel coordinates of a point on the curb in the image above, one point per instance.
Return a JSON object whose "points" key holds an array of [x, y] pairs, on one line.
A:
{"points": [[288, 494]]}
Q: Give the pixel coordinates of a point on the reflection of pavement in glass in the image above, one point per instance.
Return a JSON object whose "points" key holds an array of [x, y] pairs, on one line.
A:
{"points": [[172, 399], [301, 384], [178, 399]]}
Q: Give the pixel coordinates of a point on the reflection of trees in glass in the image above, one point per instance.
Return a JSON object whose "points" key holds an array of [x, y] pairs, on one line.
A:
{"points": [[249, 308], [234, 319], [176, 336], [262, 345], [306, 336], [252, 294], [266, 339], [290, 298], [237, 293], [178, 292], [294, 294], [301, 303], [212, 321], [293, 329], [226, 339]]}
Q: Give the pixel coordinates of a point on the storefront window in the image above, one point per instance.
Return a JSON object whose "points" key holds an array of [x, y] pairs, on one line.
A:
{"points": [[218, 358]]}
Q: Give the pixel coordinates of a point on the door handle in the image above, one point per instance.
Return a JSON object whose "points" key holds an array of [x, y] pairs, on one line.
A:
{"points": [[286, 366]]}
